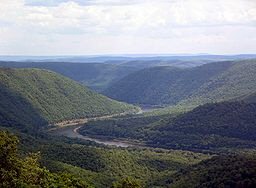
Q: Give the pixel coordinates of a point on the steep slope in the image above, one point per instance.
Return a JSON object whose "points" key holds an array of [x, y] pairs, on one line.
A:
{"points": [[17, 111], [98, 166], [220, 125], [164, 85], [27, 172], [231, 119], [207, 127], [97, 76], [220, 171], [213, 82], [39, 96], [237, 81]]}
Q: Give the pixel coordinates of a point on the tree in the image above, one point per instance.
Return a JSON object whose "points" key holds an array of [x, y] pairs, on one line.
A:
{"points": [[127, 183], [18, 172]]}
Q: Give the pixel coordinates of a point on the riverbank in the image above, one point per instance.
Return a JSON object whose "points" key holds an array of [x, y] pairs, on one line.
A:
{"points": [[70, 129], [81, 121], [72, 132]]}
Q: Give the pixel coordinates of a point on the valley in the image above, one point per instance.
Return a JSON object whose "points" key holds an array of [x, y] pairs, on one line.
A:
{"points": [[127, 94], [150, 125]]}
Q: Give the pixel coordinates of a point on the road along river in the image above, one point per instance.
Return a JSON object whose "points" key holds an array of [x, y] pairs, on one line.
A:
{"points": [[71, 130]]}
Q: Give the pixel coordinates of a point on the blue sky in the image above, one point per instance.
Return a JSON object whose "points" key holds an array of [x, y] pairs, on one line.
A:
{"points": [[87, 27]]}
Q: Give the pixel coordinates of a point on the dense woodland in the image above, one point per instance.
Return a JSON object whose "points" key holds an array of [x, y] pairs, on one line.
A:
{"points": [[101, 166], [163, 85], [97, 76], [17, 171], [208, 127], [74, 163], [213, 82], [39, 97], [98, 73], [221, 125], [220, 171]]}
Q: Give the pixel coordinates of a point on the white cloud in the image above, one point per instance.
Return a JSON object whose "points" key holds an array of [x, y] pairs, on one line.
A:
{"points": [[126, 26]]}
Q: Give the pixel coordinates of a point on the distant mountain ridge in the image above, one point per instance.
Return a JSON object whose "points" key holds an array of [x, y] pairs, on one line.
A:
{"points": [[126, 57], [99, 72]]}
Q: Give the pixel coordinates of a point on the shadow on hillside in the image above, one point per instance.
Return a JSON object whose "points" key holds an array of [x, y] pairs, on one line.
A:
{"points": [[17, 112]]}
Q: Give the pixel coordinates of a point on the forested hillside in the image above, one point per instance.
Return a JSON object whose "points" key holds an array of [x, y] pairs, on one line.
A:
{"points": [[33, 96], [17, 171], [212, 82], [226, 124], [208, 127], [100, 72], [74, 163], [237, 81], [97, 76], [220, 171]]}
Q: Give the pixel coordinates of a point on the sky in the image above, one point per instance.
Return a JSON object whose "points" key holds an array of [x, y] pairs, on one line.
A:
{"points": [[100, 27]]}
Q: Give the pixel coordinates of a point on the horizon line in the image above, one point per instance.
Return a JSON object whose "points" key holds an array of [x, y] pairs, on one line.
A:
{"points": [[130, 54]]}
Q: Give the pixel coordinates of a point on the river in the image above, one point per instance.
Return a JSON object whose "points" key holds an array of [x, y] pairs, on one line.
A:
{"points": [[72, 132]]}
